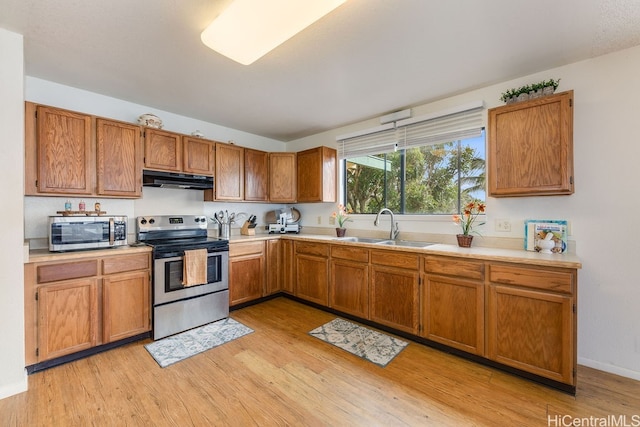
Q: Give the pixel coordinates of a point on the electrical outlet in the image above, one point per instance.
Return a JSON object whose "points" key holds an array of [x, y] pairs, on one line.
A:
{"points": [[319, 220], [332, 221], [503, 225]]}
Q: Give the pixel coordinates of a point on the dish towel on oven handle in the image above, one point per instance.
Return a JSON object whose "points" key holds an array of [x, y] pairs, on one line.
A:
{"points": [[194, 267]]}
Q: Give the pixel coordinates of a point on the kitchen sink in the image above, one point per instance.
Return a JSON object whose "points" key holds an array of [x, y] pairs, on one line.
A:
{"points": [[406, 243], [388, 242], [362, 239]]}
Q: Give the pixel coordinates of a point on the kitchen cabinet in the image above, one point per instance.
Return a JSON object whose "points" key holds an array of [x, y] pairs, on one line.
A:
{"points": [[246, 272], [288, 265], [531, 147], [59, 151], [118, 159], [282, 177], [256, 175], [394, 293], [453, 303], [312, 272], [126, 293], [274, 266], [229, 173], [349, 281], [162, 150], [532, 320], [75, 305], [198, 155], [317, 171]]}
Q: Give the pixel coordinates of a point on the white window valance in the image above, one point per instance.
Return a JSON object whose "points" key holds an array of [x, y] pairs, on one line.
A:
{"points": [[457, 123]]}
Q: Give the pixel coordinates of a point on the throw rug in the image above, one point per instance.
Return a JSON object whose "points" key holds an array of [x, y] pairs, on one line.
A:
{"points": [[368, 344], [175, 348]]}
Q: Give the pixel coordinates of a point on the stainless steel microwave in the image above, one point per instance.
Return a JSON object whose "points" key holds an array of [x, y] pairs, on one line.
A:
{"points": [[71, 233]]}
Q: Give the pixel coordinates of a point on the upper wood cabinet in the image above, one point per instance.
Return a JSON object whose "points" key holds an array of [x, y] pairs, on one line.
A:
{"points": [[118, 159], [531, 147], [256, 175], [229, 174], [317, 174], [162, 150], [282, 177], [198, 155], [64, 145]]}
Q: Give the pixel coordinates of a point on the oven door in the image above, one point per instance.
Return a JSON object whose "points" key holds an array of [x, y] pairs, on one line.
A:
{"points": [[167, 283]]}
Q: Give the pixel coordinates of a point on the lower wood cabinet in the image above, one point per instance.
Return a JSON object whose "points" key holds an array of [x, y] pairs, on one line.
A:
{"points": [[78, 304], [394, 293], [246, 272], [532, 320], [288, 266], [453, 303], [274, 267], [312, 272], [349, 282], [67, 318]]}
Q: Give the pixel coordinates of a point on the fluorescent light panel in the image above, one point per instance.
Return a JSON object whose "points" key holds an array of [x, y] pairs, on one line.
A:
{"points": [[249, 29]]}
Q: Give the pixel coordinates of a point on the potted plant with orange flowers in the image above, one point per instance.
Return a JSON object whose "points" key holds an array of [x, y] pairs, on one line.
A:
{"points": [[341, 216], [467, 220]]}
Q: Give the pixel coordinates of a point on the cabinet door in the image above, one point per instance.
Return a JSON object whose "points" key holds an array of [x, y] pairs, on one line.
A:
{"points": [[65, 154], [198, 156], [256, 175], [394, 297], [162, 150], [317, 172], [67, 318], [125, 301], [349, 287], [246, 278], [282, 177], [531, 147], [119, 159], [312, 278], [229, 181], [533, 331], [288, 266], [274, 267], [453, 313]]}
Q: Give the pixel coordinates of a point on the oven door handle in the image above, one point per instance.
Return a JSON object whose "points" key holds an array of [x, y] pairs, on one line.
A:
{"points": [[178, 258]]}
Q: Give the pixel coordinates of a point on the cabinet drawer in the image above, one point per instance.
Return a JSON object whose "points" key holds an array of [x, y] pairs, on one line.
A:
{"points": [[317, 249], [538, 278], [246, 248], [351, 253], [120, 264], [395, 259], [66, 271], [454, 267]]}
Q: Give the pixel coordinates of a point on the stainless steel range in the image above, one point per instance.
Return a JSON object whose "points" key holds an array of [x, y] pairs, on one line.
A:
{"points": [[177, 307]]}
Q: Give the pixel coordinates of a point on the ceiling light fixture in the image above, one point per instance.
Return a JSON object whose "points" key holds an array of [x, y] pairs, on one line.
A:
{"points": [[249, 29]]}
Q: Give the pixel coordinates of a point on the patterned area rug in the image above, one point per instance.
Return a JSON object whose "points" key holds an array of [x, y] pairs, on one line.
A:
{"points": [[373, 346], [175, 348]]}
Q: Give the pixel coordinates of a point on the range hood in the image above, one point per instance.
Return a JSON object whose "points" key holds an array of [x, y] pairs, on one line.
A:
{"points": [[176, 180]]}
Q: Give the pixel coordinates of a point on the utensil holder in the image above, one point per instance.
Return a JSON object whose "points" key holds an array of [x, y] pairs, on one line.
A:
{"points": [[224, 231]]}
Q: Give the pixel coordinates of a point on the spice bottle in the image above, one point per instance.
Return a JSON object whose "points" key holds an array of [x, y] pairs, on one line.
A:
{"points": [[81, 206], [67, 205], [97, 206]]}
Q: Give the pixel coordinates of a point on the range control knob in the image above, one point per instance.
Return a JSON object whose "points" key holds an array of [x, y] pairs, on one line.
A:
{"points": [[143, 221], [152, 221]]}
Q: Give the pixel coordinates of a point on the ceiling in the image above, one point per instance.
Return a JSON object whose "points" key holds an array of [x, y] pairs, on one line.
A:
{"points": [[365, 59]]}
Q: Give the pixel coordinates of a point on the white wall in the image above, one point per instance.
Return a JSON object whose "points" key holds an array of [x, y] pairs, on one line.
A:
{"points": [[13, 378], [602, 212]]}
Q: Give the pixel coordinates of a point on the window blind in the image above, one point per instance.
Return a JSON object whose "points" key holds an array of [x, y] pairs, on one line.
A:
{"points": [[450, 125]]}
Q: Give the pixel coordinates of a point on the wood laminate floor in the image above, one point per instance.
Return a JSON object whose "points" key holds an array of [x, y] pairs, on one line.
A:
{"points": [[279, 375]]}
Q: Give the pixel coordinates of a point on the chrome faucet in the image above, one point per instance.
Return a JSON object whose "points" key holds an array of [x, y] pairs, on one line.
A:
{"points": [[394, 225]]}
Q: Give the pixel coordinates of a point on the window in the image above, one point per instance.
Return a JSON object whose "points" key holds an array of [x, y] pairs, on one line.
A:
{"points": [[416, 170]]}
